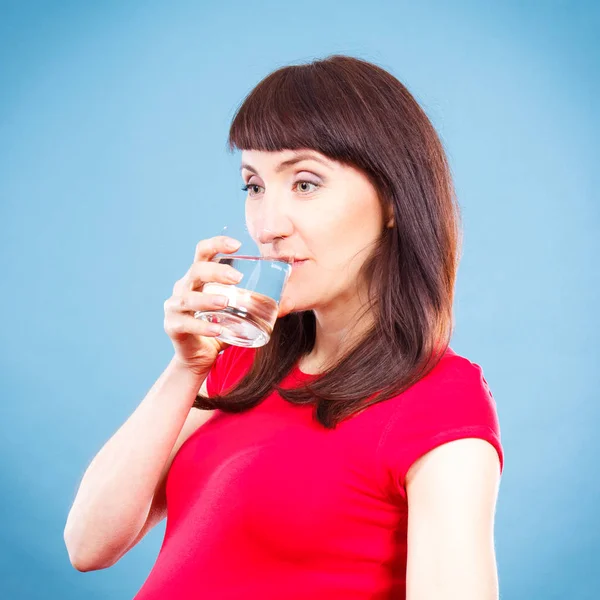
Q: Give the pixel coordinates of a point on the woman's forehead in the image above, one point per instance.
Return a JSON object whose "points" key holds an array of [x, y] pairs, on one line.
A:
{"points": [[282, 154], [280, 159]]}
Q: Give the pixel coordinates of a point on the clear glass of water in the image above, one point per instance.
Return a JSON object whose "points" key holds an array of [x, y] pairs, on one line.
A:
{"points": [[250, 316]]}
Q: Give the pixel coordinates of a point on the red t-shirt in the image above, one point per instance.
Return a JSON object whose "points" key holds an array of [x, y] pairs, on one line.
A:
{"points": [[269, 504]]}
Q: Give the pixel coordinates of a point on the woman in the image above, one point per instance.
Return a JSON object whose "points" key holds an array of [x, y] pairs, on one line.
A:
{"points": [[295, 478]]}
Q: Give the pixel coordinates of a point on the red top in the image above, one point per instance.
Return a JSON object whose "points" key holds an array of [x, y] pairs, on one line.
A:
{"points": [[269, 504]]}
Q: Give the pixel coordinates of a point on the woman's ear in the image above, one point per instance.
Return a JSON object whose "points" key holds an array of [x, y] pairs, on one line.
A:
{"points": [[390, 221]]}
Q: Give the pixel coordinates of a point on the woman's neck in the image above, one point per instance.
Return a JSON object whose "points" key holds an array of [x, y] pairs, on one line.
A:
{"points": [[334, 336]]}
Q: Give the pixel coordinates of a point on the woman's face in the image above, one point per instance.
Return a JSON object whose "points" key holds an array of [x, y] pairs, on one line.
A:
{"points": [[303, 204]]}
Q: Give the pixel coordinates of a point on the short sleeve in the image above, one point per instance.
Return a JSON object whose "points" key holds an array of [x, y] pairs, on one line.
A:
{"points": [[228, 368], [453, 402]]}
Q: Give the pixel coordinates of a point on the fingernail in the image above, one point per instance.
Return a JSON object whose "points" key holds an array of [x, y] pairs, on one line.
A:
{"points": [[235, 276], [222, 301], [232, 244]]}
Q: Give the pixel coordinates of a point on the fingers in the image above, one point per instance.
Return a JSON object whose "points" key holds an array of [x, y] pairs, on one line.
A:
{"points": [[206, 249], [190, 301], [181, 325], [179, 320], [179, 309], [203, 269], [202, 272]]}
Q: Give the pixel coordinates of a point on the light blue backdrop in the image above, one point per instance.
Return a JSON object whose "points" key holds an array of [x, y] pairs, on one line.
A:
{"points": [[113, 121]]}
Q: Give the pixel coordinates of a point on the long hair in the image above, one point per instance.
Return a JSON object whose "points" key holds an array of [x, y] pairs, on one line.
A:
{"points": [[357, 113]]}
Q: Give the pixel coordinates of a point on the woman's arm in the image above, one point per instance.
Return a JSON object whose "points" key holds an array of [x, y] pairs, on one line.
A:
{"points": [[116, 500], [452, 493]]}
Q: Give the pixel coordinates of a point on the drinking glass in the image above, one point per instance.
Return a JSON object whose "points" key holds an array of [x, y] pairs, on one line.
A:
{"points": [[249, 318]]}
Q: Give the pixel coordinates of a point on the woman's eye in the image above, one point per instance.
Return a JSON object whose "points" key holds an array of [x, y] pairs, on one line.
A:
{"points": [[250, 188], [303, 186]]}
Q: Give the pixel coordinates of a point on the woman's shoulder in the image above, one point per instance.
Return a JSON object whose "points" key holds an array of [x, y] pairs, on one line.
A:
{"points": [[456, 384], [451, 402], [454, 370]]}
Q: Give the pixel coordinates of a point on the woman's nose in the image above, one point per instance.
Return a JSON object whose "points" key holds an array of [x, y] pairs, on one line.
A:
{"points": [[267, 235], [272, 223]]}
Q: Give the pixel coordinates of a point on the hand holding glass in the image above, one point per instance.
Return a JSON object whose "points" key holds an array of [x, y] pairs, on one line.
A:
{"points": [[249, 318]]}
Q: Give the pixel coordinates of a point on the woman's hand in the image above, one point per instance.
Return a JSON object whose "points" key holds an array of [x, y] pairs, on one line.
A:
{"points": [[194, 340]]}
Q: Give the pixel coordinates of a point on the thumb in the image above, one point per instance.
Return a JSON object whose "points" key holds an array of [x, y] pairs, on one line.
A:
{"points": [[286, 306]]}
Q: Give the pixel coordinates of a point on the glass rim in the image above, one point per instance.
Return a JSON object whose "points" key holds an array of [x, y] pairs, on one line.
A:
{"points": [[253, 257]]}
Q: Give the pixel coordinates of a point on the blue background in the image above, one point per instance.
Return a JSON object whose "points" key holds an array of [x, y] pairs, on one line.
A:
{"points": [[113, 121]]}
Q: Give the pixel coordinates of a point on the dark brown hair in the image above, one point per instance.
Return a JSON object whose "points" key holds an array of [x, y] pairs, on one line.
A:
{"points": [[357, 113]]}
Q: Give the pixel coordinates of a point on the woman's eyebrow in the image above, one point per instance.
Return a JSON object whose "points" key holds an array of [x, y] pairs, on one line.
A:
{"points": [[287, 163]]}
